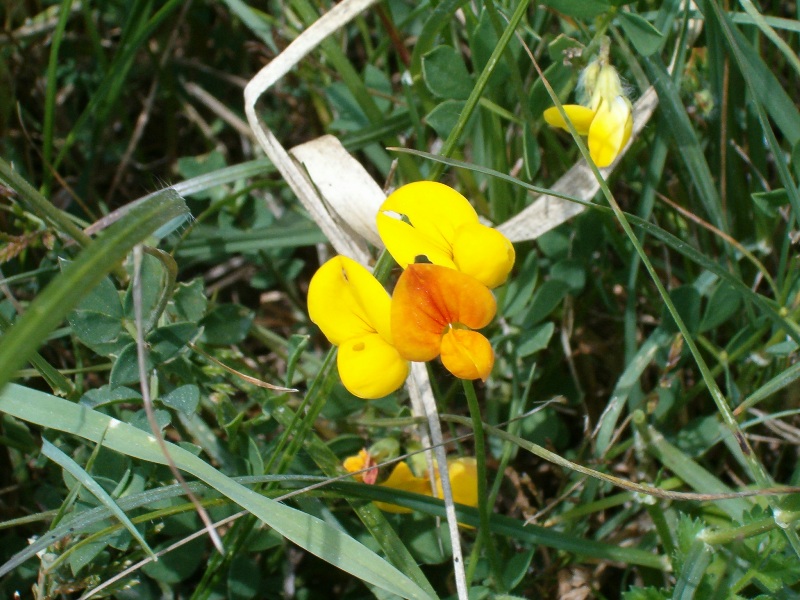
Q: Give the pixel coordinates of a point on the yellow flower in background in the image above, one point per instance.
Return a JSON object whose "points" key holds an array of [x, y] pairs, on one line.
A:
{"points": [[463, 481], [434, 312], [352, 309], [605, 115], [431, 219], [401, 478]]}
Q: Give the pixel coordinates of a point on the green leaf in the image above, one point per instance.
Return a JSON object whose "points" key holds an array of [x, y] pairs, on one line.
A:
{"points": [[153, 277], [166, 342], [687, 301], [195, 166], [580, 9], [190, 301], [722, 305], [174, 567], [98, 317], [226, 324], [243, 578], [769, 202], [531, 342], [645, 38], [86, 554], [444, 116], [517, 567], [545, 300], [140, 420], [184, 399], [445, 74], [571, 272], [311, 534], [649, 593], [126, 368]]}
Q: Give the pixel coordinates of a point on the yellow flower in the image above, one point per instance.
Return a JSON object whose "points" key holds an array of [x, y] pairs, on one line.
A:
{"points": [[430, 219], [606, 118], [402, 478], [359, 462], [434, 310], [463, 481], [352, 309]]}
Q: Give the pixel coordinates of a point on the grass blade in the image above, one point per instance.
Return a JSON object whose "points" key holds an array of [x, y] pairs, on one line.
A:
{"points": [[74, 469]]}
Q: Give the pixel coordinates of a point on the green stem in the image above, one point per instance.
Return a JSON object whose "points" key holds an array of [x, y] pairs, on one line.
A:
{"points": [[484, 508]]}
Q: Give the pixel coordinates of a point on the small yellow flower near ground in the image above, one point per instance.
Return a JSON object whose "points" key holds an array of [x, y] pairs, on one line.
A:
{"points": [[605, 116], [433, 220], [352, 309], [359, 462], [463, 481], [434, 312], [401, 478]]}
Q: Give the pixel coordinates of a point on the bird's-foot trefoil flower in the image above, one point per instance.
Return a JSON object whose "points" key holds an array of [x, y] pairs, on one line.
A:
{"points": [[353, 310], [463, 483], [432, 219], [434, 312], [357, 463], [364, 465], [604, 114]]}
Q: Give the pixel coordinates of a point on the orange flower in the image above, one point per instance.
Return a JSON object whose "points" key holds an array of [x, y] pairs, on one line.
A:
{"points": [[434, 310]]}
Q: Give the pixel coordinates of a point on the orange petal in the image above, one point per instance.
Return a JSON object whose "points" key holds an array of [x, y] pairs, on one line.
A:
{"points": [[467, 354], [427, 300]]}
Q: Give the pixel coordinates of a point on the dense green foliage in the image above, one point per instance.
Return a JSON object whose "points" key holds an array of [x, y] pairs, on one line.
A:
{"points": [[641, 419]]}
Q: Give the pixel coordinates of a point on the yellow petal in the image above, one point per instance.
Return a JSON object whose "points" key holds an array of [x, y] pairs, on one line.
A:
{"points": [[434, 212], [484, 253], [580, 116], [370, 367], [402, 478], [427, 300], [607, 135], [346, 301], [467, 354], [463, 481]]}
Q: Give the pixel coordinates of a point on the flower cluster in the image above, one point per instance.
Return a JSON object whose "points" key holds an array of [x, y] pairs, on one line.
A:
{"points": [[604, 114], [450, 261]]}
